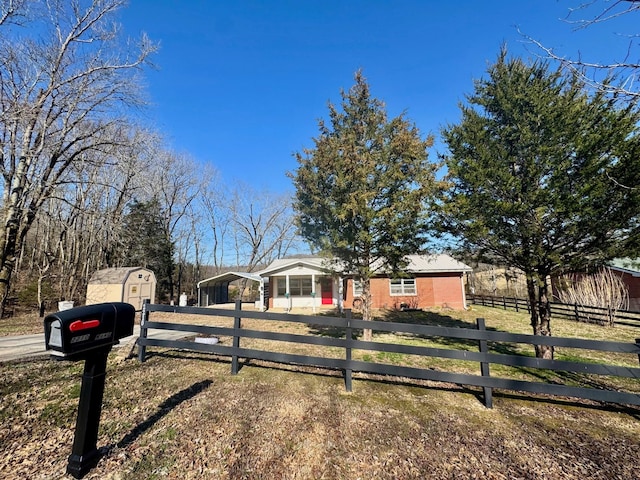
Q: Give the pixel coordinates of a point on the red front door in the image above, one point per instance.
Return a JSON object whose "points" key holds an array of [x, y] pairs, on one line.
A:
{"points": [[327, 291]]}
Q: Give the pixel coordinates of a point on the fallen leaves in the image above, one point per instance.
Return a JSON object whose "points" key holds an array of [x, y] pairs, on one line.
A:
{"points": [[182, 415]]}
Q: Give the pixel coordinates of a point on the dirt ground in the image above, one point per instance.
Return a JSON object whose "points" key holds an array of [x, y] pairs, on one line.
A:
{"points": [[182, 415]]}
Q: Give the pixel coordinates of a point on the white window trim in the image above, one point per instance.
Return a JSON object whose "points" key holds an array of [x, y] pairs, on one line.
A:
{"points": [[280, 280], [406, 289], [295, 282], [358, 288]]}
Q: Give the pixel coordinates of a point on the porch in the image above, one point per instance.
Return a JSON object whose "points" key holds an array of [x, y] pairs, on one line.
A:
{"points": [[311, 290]]}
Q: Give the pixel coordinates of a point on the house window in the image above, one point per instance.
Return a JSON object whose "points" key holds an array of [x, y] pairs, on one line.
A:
{"points": [[282, 287], [298, 286], [403, 286], [357, 288]]}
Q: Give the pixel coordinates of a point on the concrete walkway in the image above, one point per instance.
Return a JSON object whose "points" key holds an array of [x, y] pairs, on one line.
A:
{"points": [[32, 346]]}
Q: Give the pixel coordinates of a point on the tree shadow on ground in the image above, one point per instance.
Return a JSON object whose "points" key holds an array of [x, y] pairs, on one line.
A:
{"points": [[441, 319], [163, 409], [325, 372], [416, 317]]}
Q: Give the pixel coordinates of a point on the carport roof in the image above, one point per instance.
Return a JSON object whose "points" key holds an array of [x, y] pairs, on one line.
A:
{"points": [[229, 277]]}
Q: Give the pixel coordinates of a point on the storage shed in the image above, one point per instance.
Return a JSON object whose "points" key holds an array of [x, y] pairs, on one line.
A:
{"points": [[125, 284]]}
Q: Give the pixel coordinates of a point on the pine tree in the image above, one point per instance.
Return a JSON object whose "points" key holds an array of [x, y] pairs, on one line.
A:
{"points": [[361, 191], [543, 176], [145, 244]]}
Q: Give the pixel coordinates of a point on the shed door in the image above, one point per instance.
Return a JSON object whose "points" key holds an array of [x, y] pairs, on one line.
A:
{"points": [[134, 295]]}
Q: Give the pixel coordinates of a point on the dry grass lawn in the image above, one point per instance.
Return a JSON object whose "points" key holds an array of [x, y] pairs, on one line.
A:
{"points": [[182, 415]]}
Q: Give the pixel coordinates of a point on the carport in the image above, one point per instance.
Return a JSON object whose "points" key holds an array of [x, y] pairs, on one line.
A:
{"points": [[215, 290]]}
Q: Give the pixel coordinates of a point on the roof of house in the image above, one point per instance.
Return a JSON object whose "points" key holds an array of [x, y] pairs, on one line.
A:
{"points": [[282, 264], [434, 263]]}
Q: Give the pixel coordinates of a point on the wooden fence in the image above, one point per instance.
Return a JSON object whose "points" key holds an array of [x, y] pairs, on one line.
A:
{"points": [[579, 313], [485, 356]]}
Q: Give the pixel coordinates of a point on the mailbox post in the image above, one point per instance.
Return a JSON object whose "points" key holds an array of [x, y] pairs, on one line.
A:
{"points": [[88, 333]]}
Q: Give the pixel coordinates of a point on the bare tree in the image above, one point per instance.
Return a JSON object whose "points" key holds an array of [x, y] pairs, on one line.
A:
{"points": [[64, 80], [603, 289], [248, 229], [214, 206], [79, 228], [14, 11], [176, 181], [263, 226], [618, 77]]}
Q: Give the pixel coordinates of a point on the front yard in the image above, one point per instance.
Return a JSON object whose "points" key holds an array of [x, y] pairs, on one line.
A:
{"points": [[182, 415]]}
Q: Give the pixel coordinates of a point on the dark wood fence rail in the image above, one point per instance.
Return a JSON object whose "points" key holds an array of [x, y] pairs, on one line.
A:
{"points": [[479, 336], [579, 313]]}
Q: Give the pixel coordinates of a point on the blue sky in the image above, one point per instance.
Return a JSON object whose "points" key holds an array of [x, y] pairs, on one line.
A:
{"points": [[241, 85]]}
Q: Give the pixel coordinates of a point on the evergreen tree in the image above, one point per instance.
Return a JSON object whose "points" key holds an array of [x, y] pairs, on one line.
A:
{"points": [[543, 176], [145, 243], [361, 191]]}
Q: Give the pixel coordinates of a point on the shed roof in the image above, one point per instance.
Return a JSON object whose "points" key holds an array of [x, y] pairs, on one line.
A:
{"points": [[110, 276]]}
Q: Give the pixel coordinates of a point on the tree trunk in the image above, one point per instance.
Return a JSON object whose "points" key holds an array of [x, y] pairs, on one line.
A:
{"points": [[9, 234], [537, 289], [367, 334]]}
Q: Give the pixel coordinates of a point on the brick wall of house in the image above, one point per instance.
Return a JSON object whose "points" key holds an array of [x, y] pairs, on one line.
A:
{"points": [[436, 290], [447, 292]]}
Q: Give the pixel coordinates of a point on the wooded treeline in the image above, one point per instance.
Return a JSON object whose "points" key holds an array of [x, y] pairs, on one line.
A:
{"points": [[86, 185], [154, 209]]}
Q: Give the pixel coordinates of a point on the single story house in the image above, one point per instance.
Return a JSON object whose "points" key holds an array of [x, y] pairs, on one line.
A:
{"points": [[429, 281], [309, 282]]}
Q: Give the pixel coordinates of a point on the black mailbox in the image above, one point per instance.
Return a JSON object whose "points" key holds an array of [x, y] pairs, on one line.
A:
{"points": [[88, 333], [77, 332]]}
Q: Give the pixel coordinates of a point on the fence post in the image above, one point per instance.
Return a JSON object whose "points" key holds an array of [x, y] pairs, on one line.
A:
{"points": [[236, 338], [517, 302], [577, 314], [144, 318], [504, 302], [484, 366], [638, 345], [349, 339]]}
